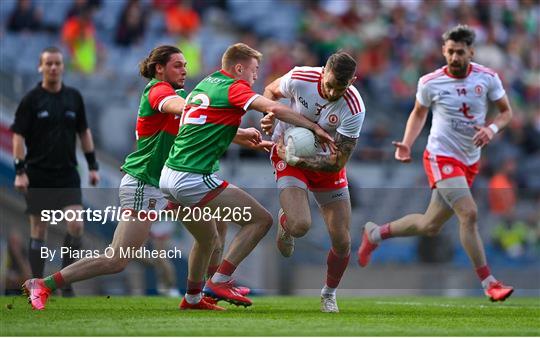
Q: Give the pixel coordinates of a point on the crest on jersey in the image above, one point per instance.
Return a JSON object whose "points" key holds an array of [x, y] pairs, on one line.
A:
{"points": [[152, 203], [333, 119], [447, 169], [280, 166], [478, 90]]}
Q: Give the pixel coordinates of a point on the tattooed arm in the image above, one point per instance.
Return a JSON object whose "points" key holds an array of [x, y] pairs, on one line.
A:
{"points": [[332, 162]]}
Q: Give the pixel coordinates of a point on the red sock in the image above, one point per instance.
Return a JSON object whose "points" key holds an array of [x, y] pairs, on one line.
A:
{"points": [[385, 231], [226, 268], [211, 270], [483, 272], [335, 268], [194, 288]]}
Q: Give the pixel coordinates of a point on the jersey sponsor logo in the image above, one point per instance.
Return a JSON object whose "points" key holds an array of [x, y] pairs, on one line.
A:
{"points": [[465, 110], [281, 165], [319, 108], [478, 90], [43, 114], [444, 93], [333, 119], [462, 126], [447, 169], [303, 102]]}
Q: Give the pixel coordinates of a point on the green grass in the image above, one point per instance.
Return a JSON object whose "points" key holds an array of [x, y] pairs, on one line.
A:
{"points": [[274, 316]]}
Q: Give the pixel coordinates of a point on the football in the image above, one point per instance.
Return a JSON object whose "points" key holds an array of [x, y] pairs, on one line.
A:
{"points": [[303, 141]]}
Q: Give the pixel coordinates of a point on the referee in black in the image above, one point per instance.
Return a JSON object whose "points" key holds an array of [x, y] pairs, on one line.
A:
{"points": [[47, 121]]}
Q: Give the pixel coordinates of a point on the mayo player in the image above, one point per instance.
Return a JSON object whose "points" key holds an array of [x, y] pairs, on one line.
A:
{"points": [[458, 95], [324, 95]]}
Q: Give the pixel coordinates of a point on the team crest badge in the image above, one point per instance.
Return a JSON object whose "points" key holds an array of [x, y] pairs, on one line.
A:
{"points": [[447, 169], [333, 119], [478, 90], [152, 203], [280, 166]]}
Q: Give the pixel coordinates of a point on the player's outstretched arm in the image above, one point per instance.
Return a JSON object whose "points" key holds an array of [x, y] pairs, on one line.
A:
{"points": [[286, 114], [174, 106], [415, 123], [251, 138], [272, 91], [333, 162], [484, 134]]}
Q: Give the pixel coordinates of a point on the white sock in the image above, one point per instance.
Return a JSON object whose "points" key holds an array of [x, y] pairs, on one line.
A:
{"points": [[193, 299], [328, 291], [375, 235], [489, 279], [220, 278]]}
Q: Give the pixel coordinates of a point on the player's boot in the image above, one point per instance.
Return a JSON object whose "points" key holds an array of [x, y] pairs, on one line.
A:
{"points": [[227, 292], [366, 247], [243, 290], [37, 293], [285, 242], [498, 292], [329, 303], [204, 304]]}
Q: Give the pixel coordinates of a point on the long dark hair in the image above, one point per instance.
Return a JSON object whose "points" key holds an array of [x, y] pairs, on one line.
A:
{"points": [[159, 55]]}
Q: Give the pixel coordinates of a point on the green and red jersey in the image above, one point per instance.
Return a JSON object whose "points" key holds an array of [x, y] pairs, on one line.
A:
{"points": [[212, 115], [155, 133]]}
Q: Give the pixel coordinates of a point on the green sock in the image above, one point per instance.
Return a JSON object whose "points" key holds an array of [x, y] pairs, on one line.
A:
{"points": [[50, 282]]}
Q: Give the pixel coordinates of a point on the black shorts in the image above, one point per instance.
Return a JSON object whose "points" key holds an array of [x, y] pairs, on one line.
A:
{"points": [[52, 190]]}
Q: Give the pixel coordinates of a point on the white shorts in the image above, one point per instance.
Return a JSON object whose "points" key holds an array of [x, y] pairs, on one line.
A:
{"points": [[190, 189], [137, 195]]}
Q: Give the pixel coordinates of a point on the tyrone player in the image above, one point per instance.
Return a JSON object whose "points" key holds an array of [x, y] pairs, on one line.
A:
{"points": [[214, 110], [458, 95], [157, 125], [324, 95]]}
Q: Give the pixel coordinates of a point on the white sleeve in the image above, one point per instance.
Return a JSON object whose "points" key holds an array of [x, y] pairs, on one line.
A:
{"points": [[285, 85], [423, 95], [351, 126], [495, 90]]}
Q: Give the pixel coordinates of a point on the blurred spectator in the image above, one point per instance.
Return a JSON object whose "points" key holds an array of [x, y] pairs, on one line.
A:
{"points": [[132, 24], [181, 18], [25, 17], [502, 190], [79, 35], [512, 237], [81, 5], [18, 268], [531, 144]]}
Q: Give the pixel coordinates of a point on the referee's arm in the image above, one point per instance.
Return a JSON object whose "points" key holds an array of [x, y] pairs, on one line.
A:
{"points": [[87, 145], [21, 179]]}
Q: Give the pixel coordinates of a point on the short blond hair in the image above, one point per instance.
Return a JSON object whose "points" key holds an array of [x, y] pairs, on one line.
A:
{"points": [[239, 52]]}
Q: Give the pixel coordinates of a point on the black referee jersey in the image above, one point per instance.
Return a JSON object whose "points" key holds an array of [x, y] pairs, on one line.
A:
{"points": [[49, 123]]}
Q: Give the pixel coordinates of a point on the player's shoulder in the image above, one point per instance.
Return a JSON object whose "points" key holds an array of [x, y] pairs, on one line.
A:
{"points": [[353, 101], [482, 70], [306, 74], [436, 74]]}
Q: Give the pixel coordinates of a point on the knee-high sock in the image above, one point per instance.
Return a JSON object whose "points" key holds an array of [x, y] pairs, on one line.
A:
{"points": [[336, 266]]}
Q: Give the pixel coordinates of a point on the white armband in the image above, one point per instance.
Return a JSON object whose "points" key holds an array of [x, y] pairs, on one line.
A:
{"points": [[494, 128]]}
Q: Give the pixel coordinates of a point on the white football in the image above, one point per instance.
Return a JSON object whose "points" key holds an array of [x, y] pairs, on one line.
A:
{"points": [[303, 140]]}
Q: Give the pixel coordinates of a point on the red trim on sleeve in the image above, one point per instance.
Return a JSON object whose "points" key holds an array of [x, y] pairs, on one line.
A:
{"points": [[425, 79], [239, 93], [301, 78], [158, 92]]}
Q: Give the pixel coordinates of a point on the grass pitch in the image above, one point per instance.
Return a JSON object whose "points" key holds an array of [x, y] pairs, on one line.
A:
{"points": [[273, 316]]}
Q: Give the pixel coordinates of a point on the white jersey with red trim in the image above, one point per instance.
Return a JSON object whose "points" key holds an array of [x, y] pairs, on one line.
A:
{"points": [[302, 85], [458, 104]]}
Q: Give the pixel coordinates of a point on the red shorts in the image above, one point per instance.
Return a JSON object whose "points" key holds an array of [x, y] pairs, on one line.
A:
{"points": [[439, 168], [314, 180]]}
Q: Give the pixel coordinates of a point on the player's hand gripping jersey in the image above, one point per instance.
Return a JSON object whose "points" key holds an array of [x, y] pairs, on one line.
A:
{"points": [[155, 133], [303, 86], [458, 104]]}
